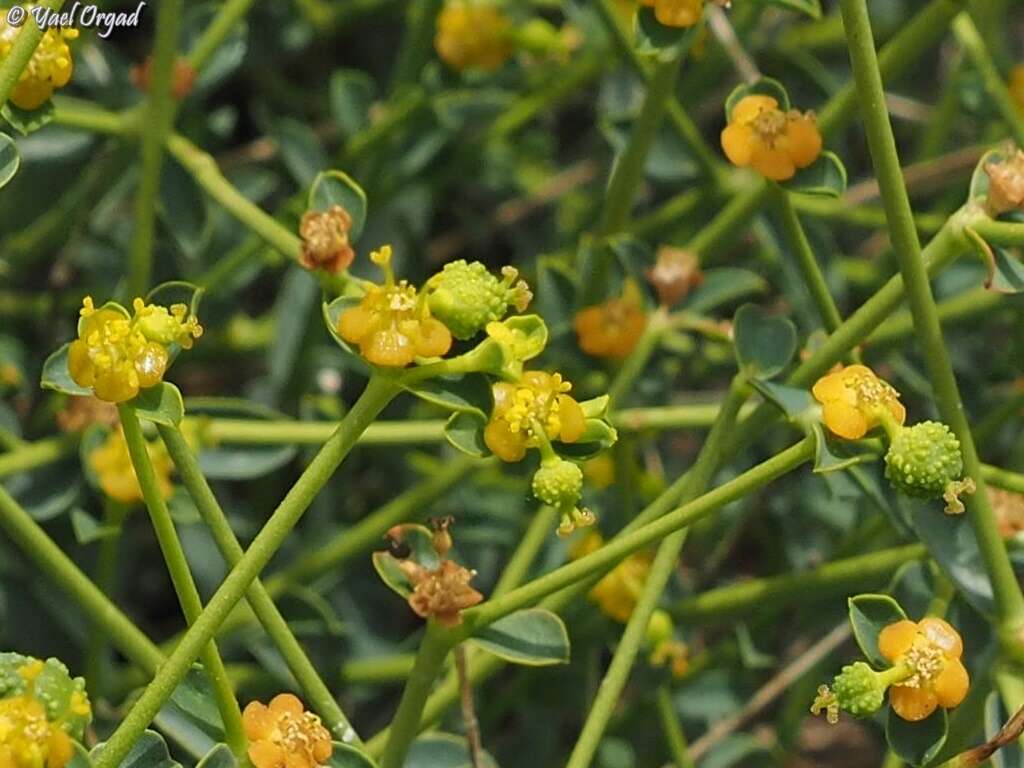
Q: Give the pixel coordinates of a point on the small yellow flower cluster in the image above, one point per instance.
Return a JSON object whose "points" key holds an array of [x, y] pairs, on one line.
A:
{"points": [[855, 401], [536, 408], [392, 324], [612, 329], [772, 142], [113, 466], [117, 355], [43, 709], [285, 735], [930, 650], [676, 13], [49, 68], [473, 34]]}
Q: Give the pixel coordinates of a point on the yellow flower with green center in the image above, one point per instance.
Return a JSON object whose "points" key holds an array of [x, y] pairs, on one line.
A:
{"points": [[49, 68], [392, 324], [537, 407], [772, 142], [117, 354], [854, 401], [283, 735]]}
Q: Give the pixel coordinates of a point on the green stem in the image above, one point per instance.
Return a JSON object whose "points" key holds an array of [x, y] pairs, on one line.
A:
{"points": [[377, 670], [181, 576], [259, 599], [1008, 233], [98, 649], [729, 224], [518, 565], [836, 577], [434, 648], [24, 46], [637, 360], [924, 31], [881, 142], [86, 116], [159, 117], [37, 454], [807, 262], [672, 728], [977, 50], [965, 305], [66, 576], [228, 16], [379, 392], [625, 544], [635, 634], [206, 173]]}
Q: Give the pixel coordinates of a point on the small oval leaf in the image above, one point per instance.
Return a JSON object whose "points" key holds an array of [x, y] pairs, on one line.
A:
{"points": [[161, 404], [56, 375], [337, 188], [917, 743], [534, 637], [764, 343], [869, 615], [149, 751], [9, 159], [825, 177]]}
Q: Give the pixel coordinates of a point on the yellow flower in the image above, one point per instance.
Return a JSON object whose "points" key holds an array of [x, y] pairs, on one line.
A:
{"points": [[113, 465], [28, 739], [676, 13], [612, 329], [617, 593], [284, 735], [930, 650], [772, 142], [854, 401], [1016, 85], [473, 35], [536, 407], [49, 68], [117, 354], [392, 325]]}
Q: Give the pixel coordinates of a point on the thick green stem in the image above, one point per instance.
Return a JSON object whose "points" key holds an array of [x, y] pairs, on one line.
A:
{"points": [[625, 544], [635, 634], [1000, 232], [882, 144], [377, 395], [24, 46], [66, 576], [159, 116], [672, 728], [434, 648], [978, 52], [181, 576], [259, 599], [832, 578], [807, 262]]}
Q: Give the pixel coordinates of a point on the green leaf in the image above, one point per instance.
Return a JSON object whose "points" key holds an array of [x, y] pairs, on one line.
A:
{"points": [[26, 121], [337, 188], [465, 431], [350, 94], [9, 159], [331, 313], [1005, 270], [443, 750], [810, 8], [218, 757], [56, 375], [765, 86], [534, 637], [88, 529], [347, 756], [226, 461], [796, 403], [149, 751], [764, 343], [721, 286], [194, 699], [951, 542], [417, 541], [598, 435], [161, 404], [654, 38], [917, 743], [825, 177], [183, 208], [980, 179], [462, 394], [830, 458], [80, 758], [869, 615], [595, 407], [1010, 756], [391, 574]]}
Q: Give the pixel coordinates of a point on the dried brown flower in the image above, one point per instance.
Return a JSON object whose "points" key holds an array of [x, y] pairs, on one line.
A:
{"points": [[325, 239], [675, 272], [81, 412], [182, 79], [1009, 511], [442, 593], [1006, 184]]}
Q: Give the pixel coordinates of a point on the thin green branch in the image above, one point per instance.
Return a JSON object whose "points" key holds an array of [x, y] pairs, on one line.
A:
{"points": [[672, 728], [181, 576], [37, 454], [377, 395], [228, 16], [882, 144]]}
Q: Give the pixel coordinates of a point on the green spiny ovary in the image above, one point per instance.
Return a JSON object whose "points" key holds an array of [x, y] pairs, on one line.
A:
{"points": [[923, 459], [858, 690], [558, 483], [466, 297]]}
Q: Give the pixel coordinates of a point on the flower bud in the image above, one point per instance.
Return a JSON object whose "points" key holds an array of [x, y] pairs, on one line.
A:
{"points": [[923, 459], [466, 297]]}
